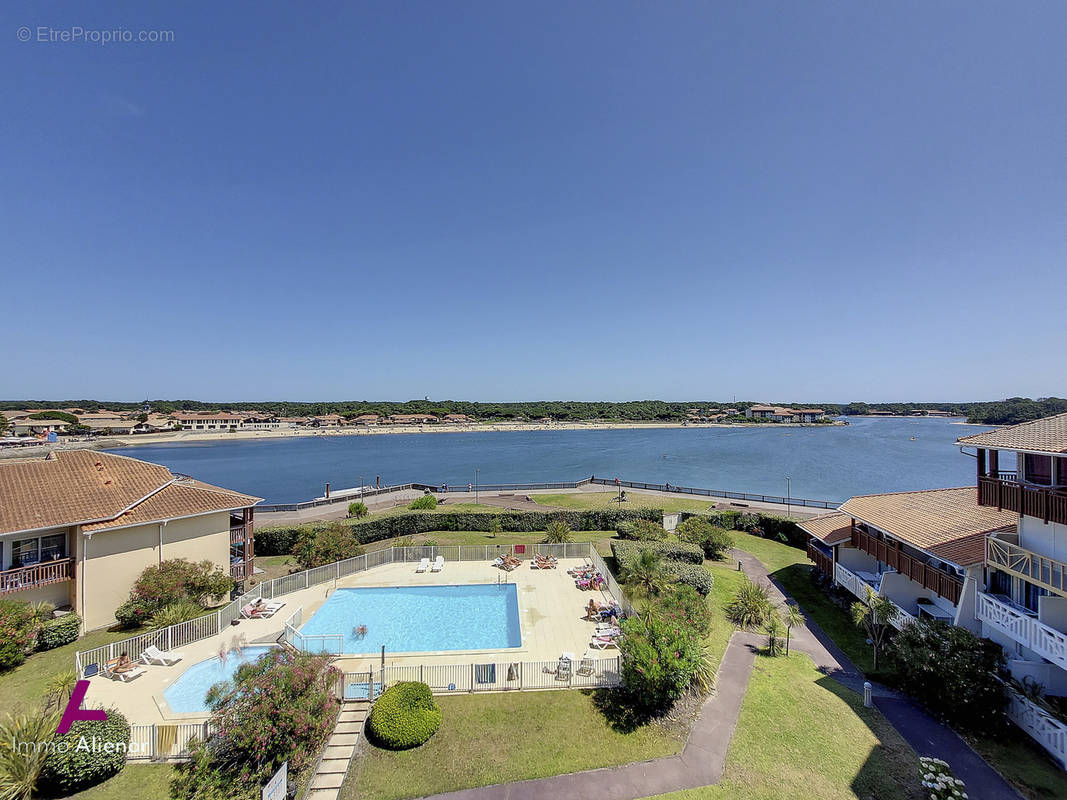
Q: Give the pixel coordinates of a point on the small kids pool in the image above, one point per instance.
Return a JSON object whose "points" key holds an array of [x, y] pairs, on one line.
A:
{"points": [[186, 695], [419, 619]]}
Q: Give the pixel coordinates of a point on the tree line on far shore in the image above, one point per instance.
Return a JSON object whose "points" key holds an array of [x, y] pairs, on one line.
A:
{"points": [[1000, 412]]}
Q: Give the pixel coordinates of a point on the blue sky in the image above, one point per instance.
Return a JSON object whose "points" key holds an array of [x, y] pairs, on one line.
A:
{"points": [[492, 201]]}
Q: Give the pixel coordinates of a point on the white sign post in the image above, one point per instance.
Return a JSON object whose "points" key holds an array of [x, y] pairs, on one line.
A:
{"points": [[278, 786]]}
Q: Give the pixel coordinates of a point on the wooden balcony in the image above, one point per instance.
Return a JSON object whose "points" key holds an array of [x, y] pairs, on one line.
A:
{"points": [[43, 574], [242, 571], [822, 562], [237, 534], [936, 580], [1048, 573], [1048, 505]]}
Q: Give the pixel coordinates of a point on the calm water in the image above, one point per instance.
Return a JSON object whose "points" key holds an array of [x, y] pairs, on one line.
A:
{"points": [[187, 693], [421, 619], [824, 463]]}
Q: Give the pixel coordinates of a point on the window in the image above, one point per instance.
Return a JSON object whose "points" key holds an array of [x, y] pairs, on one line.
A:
{"points": [[1038, 469], [53, 547], [25, 552], [1061, 471], [1031, 594], [1000, 583]]}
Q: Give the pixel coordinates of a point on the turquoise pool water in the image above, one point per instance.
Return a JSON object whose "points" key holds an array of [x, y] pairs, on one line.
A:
{"points": [[186, 695], [417, 619]]}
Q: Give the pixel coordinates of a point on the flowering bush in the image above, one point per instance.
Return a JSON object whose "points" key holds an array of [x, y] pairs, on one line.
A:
{"points": [[938, 780], [17, 633], [171, 582], [318, 546], [278, 708]]}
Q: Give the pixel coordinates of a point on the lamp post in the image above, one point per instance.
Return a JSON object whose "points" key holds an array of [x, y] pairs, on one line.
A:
{"points": [[788, 496], [361, 488], [476, 486]]}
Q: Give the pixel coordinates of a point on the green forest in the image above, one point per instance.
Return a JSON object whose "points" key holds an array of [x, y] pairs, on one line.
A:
{"points": [[1000, 412]]}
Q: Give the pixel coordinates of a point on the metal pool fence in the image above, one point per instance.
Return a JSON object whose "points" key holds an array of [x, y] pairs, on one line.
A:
{"points": [[89, 662], [165, 742]]}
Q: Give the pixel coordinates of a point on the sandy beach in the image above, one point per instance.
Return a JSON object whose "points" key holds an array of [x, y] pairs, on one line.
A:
{"points": [[114, 442]]}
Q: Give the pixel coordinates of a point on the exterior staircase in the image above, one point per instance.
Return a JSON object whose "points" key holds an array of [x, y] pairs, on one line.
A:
{"points": [[340, 749]]}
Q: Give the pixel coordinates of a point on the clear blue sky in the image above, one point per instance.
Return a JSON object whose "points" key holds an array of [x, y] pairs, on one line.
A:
{"points": [[492, 201]]}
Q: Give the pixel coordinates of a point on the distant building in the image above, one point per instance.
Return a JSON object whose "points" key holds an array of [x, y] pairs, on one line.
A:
{"points": [[412, 419], [367, 419], [225, 420], [456, 418], [782, 414]]}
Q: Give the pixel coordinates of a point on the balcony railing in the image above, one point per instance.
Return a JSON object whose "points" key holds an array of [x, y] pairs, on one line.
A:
{"points": [[1048, 505], [1048, 731], [929, 577], [237, 534], [1045, 572], [242, 570], [822, 561], [1047, 642], [15, 580], [855, 584]]}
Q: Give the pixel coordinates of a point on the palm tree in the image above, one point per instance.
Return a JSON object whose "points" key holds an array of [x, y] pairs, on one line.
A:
{"points": [[20, 767], [59, 688], [644, 575], [874, 615], [774, 631], [793, 618]]}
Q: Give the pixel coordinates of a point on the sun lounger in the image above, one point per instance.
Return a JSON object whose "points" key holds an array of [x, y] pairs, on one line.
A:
{"points": [[602, 642], [125, 675], [423, 565], [167, 658], [438, 564], [603, 629], [262, 612], [587, 665]]}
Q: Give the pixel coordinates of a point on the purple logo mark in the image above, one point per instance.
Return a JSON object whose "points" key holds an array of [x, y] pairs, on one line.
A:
{"points": [[75, 711]]}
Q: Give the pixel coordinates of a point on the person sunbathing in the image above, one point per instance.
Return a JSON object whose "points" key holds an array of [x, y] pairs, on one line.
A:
{"points": [[124, 664]]}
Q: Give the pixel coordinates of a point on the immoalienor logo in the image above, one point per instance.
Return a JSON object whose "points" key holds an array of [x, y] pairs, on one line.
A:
{"points": [[74, 710]]}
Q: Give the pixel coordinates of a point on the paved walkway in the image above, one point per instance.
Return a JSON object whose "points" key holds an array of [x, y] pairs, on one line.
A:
{"points": [[703, 759]]}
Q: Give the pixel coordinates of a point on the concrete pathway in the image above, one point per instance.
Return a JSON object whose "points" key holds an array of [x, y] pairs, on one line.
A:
{"points": [[703, 758], [340, 748]]}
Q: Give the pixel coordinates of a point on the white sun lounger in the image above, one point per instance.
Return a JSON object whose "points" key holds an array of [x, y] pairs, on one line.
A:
{"points": [[423, 565], [438, 564], [264, 611], [124, 676], [164, 658]]}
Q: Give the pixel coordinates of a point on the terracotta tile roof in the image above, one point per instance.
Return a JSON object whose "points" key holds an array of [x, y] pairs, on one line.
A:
{"points": [[179, 499], [1048, 435], [947, 523], [829, 529], [73, 487]]}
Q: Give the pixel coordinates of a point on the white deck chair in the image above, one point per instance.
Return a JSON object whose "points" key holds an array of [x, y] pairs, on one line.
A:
{"points": [[164, 658], [423, 565], [438, 564], [125, 676]]}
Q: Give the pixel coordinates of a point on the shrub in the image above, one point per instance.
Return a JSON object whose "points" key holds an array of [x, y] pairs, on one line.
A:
{"points": [[357, 509], [953, 673], [20, 768], [715, 541], [427, 502], [175, 613], [670, 551], [278, 708], [645, 530], [776, 634], [683, 606], [751, 606], [693, 575], [404, 716], [59, 632], [318, 546], [276, 541], [661, 659], [16, 633], [557, 532], [72, 768], [938, 781], [495, 528], [626, 530], [767, 526], [134, 613]]}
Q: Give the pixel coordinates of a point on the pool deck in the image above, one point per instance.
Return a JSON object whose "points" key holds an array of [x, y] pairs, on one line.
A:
{"points": [[551, 617]]}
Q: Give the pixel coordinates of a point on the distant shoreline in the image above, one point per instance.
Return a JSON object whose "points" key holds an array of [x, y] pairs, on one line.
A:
{"points": [[182, 437]]}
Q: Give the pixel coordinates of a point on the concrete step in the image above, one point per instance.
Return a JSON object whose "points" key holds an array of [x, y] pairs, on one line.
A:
{"points": [[345, 751], [331, 780], [331, 765], [342, 739], [323, 794], [348, 727], [347, 715]]}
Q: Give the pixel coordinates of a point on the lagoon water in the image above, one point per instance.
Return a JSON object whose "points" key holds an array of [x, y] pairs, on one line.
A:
{"points": [[824, 463]]}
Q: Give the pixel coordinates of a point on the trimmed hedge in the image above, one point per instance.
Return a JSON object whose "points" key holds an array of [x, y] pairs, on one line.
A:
{"points": [[668, 551], [59, 632], [404, 716], [69, 769], [281, 540], [767, 526], [692, 575]]}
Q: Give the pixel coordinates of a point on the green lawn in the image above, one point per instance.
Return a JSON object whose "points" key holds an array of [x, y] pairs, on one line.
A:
{"points": [[602, 538], [498, 738], [135, 781], [22, 688], [801, 734], [587, 500]]}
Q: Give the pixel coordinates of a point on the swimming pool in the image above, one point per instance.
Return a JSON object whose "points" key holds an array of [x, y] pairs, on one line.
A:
{"points": [[419, 619], [186, 695]]}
